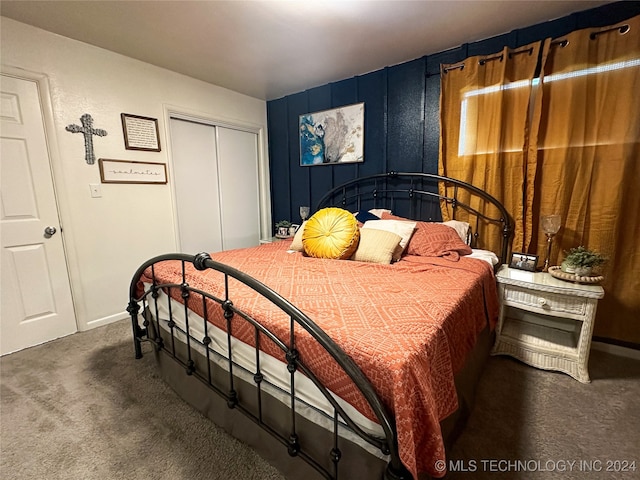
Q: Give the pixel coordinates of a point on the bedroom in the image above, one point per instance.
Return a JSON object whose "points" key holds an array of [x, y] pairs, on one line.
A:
{"points": [[77, 71]]}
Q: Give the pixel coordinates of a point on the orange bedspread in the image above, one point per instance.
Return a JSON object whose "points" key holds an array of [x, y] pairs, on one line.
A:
{"points": [[409, 326]]}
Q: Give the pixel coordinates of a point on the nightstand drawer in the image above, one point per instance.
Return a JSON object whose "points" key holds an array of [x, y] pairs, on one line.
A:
{"points": [[544, 301]]}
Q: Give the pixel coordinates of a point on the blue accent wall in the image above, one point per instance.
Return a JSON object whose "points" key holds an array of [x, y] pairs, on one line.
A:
{"points": [[401, 126]]}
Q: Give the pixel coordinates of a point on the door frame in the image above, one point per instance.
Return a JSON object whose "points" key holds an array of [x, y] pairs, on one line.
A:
{"points": [[264, 194], [46, 107]]}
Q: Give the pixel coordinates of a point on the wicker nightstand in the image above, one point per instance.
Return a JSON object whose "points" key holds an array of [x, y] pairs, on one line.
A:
{"points": [[546, 322]]}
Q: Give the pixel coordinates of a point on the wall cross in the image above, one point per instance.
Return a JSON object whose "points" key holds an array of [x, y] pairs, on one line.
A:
{"points": [[88, 131]]}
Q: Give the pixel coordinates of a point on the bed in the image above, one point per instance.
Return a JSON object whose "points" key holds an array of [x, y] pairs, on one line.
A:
{"points": [[336, 368]]}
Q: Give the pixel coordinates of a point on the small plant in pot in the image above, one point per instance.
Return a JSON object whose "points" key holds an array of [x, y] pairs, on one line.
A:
{"points": [[282, 228], [581, 261]]}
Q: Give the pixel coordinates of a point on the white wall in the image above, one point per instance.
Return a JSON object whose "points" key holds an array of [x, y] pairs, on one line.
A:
{"points": [[107, 238]]}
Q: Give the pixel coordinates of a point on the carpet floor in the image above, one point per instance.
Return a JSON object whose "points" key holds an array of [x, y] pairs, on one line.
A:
{"points": [[81, 407]]}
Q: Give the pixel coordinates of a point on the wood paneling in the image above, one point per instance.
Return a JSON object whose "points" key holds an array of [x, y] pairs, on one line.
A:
{"points": [[401, 113]]}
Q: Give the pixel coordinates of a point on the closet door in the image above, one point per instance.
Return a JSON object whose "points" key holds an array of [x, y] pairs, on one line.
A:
{"points": [[195, 175], [215, 171], [239, 187]]}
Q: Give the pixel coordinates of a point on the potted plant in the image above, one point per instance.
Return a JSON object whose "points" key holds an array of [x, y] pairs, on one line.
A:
{"points": [[282, 228], [581, 261]]}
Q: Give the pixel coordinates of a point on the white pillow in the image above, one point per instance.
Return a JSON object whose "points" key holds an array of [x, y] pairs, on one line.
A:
{"points": [[462, 228], [400, 227], [379, 211], [486, 255], [296, 244]]}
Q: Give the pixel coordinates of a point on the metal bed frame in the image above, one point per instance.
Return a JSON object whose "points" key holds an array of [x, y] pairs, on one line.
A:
{"points": [[422, 195], [387, 190]]}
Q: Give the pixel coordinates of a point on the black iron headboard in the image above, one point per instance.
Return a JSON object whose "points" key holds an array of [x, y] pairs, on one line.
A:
{"points": [[421, 196]]}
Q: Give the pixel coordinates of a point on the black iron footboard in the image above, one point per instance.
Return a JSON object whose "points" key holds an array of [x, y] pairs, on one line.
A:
{"points": [[143, 332]]}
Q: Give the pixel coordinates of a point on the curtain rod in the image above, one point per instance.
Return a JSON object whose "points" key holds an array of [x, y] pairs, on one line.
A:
{"points": [[555, 43], [621, 29], [483, 61]]}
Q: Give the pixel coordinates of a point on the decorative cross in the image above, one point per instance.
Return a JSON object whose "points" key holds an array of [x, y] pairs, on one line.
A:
{"points": [[88, 130]]}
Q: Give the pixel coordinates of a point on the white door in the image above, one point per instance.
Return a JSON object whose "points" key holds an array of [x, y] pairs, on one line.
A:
{"points": [[36, 295]]}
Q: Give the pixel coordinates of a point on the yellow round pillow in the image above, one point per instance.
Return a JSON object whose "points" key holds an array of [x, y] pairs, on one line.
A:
{"points": [[331, 233]]}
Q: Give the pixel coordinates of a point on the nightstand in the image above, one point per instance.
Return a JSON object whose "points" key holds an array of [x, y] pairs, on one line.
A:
{"points": [[546, 322]]}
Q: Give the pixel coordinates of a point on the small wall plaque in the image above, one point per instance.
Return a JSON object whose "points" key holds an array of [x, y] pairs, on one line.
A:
{"points": [[125, 171], [140, 133]]}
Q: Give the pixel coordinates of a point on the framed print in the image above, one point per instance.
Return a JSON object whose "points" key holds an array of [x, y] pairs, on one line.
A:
{"points": [[140, 133], [524, 261], [331, 137], [125, 171]]}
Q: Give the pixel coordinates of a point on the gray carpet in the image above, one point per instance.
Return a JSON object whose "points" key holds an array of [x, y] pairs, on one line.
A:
{"points": [[82, 408], [548, 420]]}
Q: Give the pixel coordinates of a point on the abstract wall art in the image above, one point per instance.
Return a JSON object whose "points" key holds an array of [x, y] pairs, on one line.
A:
{"points": [[331, 137]]}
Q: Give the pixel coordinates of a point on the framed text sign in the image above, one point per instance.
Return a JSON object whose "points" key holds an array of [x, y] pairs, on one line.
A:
{"points": [[140, 133], [125, 171]]}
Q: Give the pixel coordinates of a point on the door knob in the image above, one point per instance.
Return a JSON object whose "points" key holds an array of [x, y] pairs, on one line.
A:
{"points": [[50, 231]]}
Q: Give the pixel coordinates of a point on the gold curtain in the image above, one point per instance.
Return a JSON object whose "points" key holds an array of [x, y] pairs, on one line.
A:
{"points": [[569, 144], [589, 162], [485, 127]]}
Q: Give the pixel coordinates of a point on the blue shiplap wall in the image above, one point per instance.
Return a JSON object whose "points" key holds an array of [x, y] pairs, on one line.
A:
{"points": [[401, 113]]}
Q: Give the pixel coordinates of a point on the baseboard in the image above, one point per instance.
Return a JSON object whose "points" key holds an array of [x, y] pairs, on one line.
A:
{"points": [[616, 350], [103, 321]]}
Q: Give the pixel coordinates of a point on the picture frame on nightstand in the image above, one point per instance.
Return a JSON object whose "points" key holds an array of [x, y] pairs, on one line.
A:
{"points": [[524, 261]]}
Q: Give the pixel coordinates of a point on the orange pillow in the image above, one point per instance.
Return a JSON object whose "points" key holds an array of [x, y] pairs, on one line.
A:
{"points": [[331, 233], [434, 240]]}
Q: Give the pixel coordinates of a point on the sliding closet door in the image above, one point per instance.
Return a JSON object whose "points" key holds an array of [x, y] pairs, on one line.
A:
{"points": [[195, 175], [238, 170], [215, 171]]}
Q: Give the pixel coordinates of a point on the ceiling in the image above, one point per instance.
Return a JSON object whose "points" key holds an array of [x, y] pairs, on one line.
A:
{"points": [[269, 49]]}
